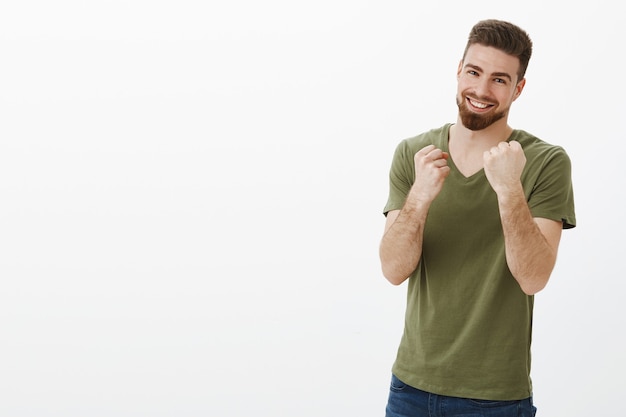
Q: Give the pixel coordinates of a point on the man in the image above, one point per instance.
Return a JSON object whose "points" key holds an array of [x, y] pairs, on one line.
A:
{"points": [[474, 220]]}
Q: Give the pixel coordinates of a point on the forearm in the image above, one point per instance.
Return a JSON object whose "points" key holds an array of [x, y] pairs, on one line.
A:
{"points": [[401, 246], [529, 255]]}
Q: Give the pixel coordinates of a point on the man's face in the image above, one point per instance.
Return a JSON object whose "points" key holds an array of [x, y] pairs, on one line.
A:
{"points": [[487, 85]]}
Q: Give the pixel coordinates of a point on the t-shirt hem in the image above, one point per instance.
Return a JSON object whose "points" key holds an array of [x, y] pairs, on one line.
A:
{"points": [[463, 393]]}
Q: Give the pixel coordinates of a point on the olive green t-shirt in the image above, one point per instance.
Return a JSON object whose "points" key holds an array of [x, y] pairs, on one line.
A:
{"points": [[468, 324]]}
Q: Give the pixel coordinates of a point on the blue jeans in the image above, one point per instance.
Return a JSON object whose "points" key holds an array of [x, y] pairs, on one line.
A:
{"points": [[406, 401]]}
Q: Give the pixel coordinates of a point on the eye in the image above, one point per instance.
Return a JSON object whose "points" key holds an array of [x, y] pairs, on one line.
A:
{"points": [[472, 72], [500, 80]]}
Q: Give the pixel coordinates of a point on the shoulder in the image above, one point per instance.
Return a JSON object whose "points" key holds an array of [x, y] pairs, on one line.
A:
{"points": [[541, 154], [535, 146], [437, 137]]}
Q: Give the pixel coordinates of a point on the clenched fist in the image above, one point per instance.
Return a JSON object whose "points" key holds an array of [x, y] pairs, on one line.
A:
{"points": [[431, 169], [504, 165]]}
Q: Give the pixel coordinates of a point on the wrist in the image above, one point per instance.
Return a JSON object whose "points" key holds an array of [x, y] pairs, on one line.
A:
{"points": [[510, 195]]}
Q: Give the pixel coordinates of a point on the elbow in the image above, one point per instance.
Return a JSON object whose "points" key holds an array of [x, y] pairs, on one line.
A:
{"points": [[532, 289], [533, 285], [396, 280], [393, 276], [532, 278], [395, 269]]}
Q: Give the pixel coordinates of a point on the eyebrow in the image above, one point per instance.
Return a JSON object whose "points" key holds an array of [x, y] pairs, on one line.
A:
{"points": [[494, 74]]}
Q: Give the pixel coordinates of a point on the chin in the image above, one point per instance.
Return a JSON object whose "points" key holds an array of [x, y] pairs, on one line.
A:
{"points": [[475, 122]]}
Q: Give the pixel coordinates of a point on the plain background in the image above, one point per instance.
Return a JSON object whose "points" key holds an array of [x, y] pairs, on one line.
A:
{"points": [[191, 197]]}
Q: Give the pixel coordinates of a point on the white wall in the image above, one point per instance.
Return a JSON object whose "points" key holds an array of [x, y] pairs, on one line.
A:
{"points": [[191, 196]]}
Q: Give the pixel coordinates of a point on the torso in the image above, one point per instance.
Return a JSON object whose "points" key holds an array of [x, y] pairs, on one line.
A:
{"points": [[467, 154]]}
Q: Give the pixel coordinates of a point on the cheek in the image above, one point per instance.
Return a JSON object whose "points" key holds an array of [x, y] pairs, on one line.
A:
{"points": [[460, 81], [511, 98], [461, 85], [466, 84]]}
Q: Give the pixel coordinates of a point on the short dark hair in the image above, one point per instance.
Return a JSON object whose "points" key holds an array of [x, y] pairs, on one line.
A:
{"points": [[504, 36]]}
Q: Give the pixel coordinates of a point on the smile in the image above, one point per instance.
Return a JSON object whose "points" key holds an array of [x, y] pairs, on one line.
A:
{"points": [[478, 104]]}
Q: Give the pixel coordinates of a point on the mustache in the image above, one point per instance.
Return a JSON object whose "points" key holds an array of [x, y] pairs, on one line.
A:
{"points": [[475, 97]]}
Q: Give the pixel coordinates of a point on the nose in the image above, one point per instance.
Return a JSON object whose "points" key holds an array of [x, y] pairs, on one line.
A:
{"points": [[482, 87]]}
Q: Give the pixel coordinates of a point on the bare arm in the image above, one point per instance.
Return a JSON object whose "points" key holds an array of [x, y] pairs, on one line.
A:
{"points": [[531, 245], [401, 246]]}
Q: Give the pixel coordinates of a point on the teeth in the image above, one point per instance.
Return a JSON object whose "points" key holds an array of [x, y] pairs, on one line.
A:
{"points": [[477, 104]]}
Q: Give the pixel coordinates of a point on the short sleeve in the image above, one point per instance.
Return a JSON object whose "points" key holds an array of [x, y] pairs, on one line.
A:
{"points": [[401, 177], [552, 196]]}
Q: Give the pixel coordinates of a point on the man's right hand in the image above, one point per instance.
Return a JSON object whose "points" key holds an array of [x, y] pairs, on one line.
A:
{"points": [[431, 169]]}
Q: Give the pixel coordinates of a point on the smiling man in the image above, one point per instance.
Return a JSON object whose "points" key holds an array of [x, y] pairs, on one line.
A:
{"points": [[473, 222]]}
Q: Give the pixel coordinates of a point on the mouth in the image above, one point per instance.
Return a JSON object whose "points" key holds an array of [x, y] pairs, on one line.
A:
{"points": [[478, 106]]}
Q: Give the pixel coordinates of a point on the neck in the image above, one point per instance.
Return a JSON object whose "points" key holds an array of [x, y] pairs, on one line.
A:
{"points": [[466, 147], [488, 137]]}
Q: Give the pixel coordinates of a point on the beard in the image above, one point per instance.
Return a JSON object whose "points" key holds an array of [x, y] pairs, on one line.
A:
{"points": [[474, 121]]}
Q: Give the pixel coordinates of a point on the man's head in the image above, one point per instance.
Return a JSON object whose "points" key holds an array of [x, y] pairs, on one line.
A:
{"points": [[491, 74], [504, 36]]}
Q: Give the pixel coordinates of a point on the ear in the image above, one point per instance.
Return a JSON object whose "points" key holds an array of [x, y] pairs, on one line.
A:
{"points": [[458, 70], [519, 88]]}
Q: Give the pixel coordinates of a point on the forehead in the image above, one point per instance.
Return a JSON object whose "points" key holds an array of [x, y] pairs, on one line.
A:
{"points": [[490, 59]]}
